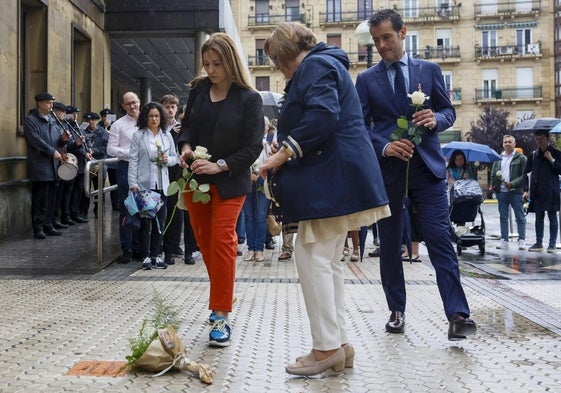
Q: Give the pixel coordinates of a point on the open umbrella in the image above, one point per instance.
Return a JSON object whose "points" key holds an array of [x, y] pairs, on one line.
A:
{"points": [[532, 125], [472, 151], [556, 129], [271, 106]]}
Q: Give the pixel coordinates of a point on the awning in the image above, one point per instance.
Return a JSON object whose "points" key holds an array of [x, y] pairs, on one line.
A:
{"points": [[515, 25], [490, 26]]}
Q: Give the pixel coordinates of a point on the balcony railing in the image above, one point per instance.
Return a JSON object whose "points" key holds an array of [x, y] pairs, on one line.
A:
{"points": [[484, 9], [501, 51], [443, 12], [438, 52], [256, 61], [265, 20], [531, 93]]}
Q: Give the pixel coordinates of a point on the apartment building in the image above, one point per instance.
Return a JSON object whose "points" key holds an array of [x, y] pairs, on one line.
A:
{"points": [[491, 52]]}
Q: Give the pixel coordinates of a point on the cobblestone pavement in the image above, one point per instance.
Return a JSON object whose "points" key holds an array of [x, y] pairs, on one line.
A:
{"points": [[50, 323]]}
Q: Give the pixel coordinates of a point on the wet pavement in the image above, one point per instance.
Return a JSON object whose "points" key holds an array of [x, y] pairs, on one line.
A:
{"points": [[60, 307]]}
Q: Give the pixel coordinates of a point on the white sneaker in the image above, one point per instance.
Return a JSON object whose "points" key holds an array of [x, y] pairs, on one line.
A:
{"points": [[521, 244], [503, 245]]}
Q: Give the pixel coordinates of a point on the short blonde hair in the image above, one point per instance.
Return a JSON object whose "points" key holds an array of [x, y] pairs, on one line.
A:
{"points": [[288, 40], [228, 53]]}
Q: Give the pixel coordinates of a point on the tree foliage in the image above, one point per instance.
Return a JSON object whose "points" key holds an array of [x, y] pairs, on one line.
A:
{"points": [[493, 124]]}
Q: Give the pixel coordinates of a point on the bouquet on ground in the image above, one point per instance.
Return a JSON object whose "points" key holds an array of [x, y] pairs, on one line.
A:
{"points": [[158, 347]]}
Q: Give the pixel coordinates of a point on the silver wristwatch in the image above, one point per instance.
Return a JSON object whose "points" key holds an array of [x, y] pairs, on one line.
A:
{"points": [[222, 164]]}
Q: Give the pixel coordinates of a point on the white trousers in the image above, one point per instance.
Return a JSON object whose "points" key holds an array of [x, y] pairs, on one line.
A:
{"points": [[320, 271]]}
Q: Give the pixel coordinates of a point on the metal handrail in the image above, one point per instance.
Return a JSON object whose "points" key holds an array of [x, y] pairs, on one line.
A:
{"points": [[96, 196], [13, 182]]}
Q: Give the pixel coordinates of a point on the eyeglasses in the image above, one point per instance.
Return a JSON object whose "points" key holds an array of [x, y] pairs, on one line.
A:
{"points": [[274, 59], [132, 103]]}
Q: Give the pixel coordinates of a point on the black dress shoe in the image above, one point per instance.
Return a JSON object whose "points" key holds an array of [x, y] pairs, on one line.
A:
{"points": [[375, 253], [59, 225], [270, 245], [396, 323], [169, 261], [125, 258], [460, 327], [178, 252], [68, 221], [40, 235], [52, 232], [189, 260], [79, 219]]}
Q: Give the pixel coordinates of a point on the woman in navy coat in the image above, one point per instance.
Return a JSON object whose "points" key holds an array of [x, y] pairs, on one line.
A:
{"points": [[327, 178]]}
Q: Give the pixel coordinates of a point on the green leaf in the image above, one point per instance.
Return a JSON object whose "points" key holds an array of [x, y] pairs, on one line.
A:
{"points": [[186, 173], [204, 187], [193, 184], [402, 123], [396, 134], [173, 188], [197, 196], [416, 139], [205, 198], [181, 183]]}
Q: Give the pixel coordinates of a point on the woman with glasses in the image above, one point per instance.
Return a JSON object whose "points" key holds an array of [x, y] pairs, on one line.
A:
{"points": [[152, 151]]}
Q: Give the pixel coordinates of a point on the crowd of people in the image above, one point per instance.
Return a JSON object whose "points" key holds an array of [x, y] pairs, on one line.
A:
{"points": [[331, 134]]}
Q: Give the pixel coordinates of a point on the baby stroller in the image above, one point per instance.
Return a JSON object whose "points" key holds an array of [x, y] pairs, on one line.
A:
{"points": [[465, 204]]}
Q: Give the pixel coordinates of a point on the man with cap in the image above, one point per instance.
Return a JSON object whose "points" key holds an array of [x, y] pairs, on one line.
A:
{"points": [[120, 137], [97, 137], [42, 139], [544, 166], [111, 168], [80, 148]]}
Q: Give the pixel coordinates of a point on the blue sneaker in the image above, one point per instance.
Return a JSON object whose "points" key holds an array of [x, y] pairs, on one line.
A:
{"points": [[158, 263], [212, 317], [147, 264], [220, 333]]}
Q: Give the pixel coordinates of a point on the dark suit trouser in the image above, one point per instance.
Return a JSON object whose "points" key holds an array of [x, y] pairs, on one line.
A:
{"points": [[428, 195], [43, 194], [129, 238]]}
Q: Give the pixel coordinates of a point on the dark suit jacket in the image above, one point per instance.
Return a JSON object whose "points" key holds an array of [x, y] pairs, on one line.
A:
{"points": [[381, 111], [238, 135], [544, 180]]}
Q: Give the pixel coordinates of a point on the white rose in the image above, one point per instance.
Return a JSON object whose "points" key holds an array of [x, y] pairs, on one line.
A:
{"points": [[418, 98], [201, 152], [499, 174]]}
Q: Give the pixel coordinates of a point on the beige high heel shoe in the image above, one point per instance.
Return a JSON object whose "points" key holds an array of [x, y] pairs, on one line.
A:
{"points": [[349, 355], [259, 256], [249, 256], [308, 365]]}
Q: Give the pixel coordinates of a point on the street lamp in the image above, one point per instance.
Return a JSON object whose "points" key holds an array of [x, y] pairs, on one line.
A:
{"points": [[364, 38]]}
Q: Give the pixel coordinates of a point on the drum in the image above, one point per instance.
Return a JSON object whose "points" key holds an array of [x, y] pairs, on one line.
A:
{"points": [[68, 169]]}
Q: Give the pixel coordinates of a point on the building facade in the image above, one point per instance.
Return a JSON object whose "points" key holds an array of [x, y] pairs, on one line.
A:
{"points": [[491, 52]]}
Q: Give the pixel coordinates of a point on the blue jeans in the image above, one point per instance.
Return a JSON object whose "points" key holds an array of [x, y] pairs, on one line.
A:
{"points": [[553, 227], [255, 209], [507, 199]]}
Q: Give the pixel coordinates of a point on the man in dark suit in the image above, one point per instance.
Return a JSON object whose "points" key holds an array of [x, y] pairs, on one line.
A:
{"points": [[544, 167], [427, 170]]}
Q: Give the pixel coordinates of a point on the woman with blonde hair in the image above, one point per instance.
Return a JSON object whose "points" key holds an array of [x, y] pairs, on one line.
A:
{"points": [[224, 114], [326, 177]]}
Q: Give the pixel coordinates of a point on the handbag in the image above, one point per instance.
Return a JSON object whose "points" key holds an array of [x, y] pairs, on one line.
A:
{"points": [[273, 226]]}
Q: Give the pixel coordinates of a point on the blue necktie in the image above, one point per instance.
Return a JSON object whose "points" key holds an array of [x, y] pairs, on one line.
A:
{"points": [[399, 88]]}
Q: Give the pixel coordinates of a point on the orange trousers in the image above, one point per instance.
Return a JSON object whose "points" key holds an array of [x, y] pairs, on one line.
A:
{"points": [[214, 227]]}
